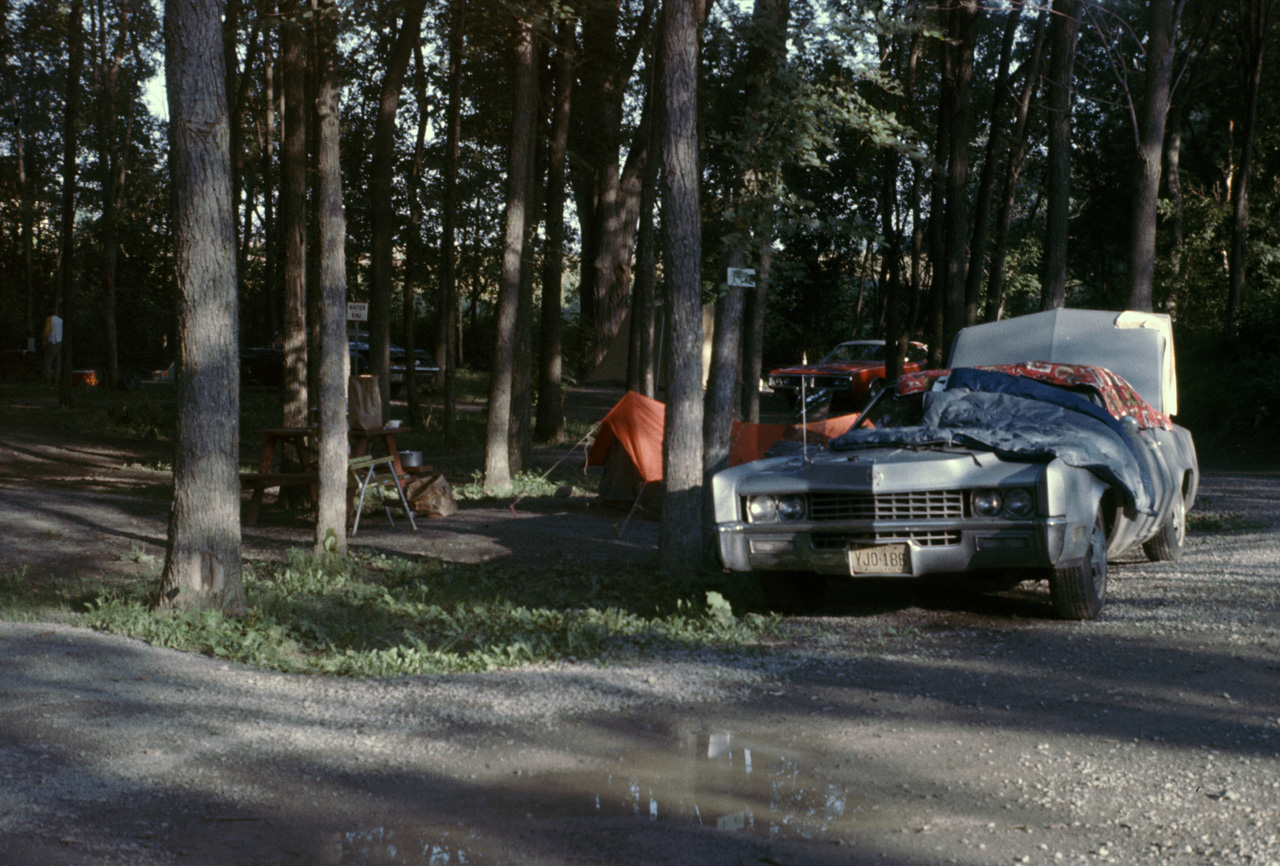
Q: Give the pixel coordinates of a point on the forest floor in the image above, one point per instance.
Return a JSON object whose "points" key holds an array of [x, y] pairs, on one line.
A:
{"points": [[904, 726]]}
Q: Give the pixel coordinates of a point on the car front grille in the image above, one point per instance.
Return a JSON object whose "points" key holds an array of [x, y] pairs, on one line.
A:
{"points": [[920, 505], [923, 537]]}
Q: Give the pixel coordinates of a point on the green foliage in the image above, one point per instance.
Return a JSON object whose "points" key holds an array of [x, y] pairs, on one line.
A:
{"points": [[371, 615], [523, 485], [1200, 520]]}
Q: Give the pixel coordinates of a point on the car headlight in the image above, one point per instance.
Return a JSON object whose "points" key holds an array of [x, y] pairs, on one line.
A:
{"points": [[771, 509], [762, 509], [791, 507], [1015, 502], [1019, 502], [987, 503]]}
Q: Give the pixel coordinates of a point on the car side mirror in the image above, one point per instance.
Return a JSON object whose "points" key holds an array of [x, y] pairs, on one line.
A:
{"points": [[1130, 425]]}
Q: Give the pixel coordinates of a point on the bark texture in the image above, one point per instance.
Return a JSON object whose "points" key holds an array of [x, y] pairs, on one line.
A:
{"points": [[331, 513], [293, 218], [1153, 112], [202, 558], [382, 207], [679, 533], [497, 462], [550, 421], [1062, 56]]}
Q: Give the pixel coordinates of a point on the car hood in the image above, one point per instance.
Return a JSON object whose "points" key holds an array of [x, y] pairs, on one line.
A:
{"points": [[1019, 426], [827, 368]]}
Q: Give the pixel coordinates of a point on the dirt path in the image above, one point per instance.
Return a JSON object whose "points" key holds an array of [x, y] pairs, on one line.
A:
{"points": [[903, 728]]}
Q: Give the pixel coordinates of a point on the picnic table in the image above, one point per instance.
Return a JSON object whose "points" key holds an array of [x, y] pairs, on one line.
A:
{"points": [[301, 439]]}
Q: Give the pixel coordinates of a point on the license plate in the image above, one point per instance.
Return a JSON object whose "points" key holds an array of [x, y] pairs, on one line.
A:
{"points": [[880, 559]]}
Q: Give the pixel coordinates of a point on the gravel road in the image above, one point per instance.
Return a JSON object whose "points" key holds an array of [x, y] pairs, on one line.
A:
{"points": [[905, 727]]}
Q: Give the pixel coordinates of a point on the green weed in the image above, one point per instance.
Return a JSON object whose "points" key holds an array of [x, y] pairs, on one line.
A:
{"points": [[374, 615]]}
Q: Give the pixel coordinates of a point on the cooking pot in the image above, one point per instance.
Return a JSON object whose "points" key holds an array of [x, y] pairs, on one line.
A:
{"points": [[410, 458]]}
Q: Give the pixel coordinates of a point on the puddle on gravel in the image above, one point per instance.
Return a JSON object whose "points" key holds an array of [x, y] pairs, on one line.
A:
{"points": [[709, 778]]}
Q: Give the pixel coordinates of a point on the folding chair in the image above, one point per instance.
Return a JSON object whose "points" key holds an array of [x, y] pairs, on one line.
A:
{"points": [[364, 471]]}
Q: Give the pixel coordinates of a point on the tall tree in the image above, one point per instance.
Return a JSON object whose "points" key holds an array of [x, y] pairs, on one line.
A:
{"points": [[113, 152], [1149, 124], [956, 101], [331, 513], [1252, 30], [986, 182], [415, 265], [770, 22], [607, 192], [447, 355], [293, 212], [497, 458], [1062, 58], [680, 533], [381, 203], [202, 558], [66, 302], [1013, 170], [550, 421]]}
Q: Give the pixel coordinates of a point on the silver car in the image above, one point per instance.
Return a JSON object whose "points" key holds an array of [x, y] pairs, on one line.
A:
{"points": [[1046, 447]]}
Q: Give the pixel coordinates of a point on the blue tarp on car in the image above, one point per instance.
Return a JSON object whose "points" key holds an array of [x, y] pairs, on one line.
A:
{"points": [[1021, 419]]}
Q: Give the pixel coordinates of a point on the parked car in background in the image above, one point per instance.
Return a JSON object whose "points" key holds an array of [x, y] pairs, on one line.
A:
{"points": [[264, 365], [425, 369], [850, 372], [1045, 448]]}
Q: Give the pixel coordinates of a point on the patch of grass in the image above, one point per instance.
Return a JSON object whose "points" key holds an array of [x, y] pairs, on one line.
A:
{"points": [[373, 615], [1220, 521], [25, 600], [523, 485]]}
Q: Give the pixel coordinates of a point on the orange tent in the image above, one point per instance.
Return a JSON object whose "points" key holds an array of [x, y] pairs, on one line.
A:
{"points": [[635, 423]]}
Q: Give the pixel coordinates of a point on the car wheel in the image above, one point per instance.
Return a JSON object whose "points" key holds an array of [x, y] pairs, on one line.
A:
{"points": [[1078, 591], [1166, 544], [793, 591]]}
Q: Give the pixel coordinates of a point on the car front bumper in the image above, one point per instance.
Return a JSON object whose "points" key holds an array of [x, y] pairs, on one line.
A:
{"points": [[933, 546]]}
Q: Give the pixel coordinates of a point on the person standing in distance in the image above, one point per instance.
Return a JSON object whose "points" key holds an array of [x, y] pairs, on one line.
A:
{"points": [[52, 348]]}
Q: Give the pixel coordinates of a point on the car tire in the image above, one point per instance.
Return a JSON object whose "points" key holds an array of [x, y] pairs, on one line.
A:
{"points": [[1078, 591], [793, 591], [1166, 544]]}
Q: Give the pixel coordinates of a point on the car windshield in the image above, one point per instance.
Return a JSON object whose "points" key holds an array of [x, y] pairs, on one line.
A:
{"points": [[856, 352], [890, 409]]}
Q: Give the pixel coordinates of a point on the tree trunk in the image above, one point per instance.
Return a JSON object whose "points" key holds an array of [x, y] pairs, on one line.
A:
{"points": [[986, 183], [770, 19], [202, 558], [65, 305], [520, 447], [497, 464], [331, 514], [1164, 15], [293, 218], [381, 204], [550, 423], [447, 354], [1255, 21], [935, 234], [680, 531], [964, 32], [1062, 56], [995, 282], [267, 145], [644, 304], [607, 196], [1173, 180], [112, 161], [415, 265]]}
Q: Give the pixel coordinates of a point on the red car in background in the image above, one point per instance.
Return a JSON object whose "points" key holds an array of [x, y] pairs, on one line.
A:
{"points": [[849, 371]]}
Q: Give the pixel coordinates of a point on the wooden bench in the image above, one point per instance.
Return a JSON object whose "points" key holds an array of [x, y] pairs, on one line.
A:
{"points": [[258, 482]]}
